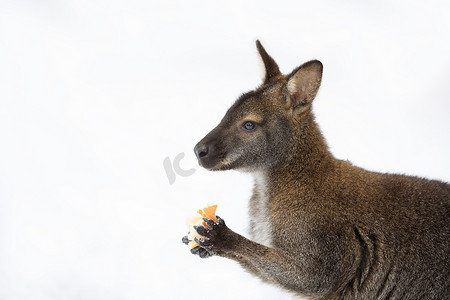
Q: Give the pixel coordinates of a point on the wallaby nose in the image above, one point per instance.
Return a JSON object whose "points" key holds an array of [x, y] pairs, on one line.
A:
{"points": [[201, 151]]}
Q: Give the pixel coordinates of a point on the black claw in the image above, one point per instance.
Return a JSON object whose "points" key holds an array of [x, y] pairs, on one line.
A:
{"points": [[203, 242], [201, 230], [220, 221], [199, 241], [195, 250], [210, 223], [203, 253], [185, 239]]}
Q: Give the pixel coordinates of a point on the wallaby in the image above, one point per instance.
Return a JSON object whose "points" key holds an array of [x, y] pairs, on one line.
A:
{"points": [[321, 227]]}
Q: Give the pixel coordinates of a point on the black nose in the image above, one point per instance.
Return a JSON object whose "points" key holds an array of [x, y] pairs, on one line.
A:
{"points": [[201, 151]]}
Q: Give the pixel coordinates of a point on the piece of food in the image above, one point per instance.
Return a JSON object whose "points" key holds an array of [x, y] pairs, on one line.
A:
{"points": [[208, 213]]}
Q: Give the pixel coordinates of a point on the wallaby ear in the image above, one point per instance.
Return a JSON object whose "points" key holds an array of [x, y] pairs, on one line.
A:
{"points": [[271, 70], [303, 83]]}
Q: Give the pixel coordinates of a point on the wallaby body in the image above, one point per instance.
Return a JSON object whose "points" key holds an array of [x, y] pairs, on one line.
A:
{"points": [[321, 227]]}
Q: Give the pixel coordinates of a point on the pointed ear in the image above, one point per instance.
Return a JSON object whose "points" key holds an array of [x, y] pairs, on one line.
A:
{"points": [[303, 83], [271, 70]]}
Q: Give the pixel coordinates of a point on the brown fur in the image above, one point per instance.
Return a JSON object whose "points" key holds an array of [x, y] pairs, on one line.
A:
{"points": [[333, 230]]}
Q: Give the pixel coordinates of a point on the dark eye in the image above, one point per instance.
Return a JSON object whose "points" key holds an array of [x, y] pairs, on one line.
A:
{"points": [[249, 125]]}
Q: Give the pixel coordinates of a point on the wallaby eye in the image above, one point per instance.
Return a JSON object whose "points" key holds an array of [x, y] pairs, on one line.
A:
{"points": [[249, 125]]}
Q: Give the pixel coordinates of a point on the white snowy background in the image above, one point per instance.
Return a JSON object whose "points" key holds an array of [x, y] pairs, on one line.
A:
{"points": [[94, 95]]}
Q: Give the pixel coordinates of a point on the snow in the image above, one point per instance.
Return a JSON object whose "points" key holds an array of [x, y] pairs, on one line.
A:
{"points": [[95, 95]]}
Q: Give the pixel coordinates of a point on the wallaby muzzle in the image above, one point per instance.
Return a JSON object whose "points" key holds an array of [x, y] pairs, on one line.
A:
{"points": [[208, 152]]}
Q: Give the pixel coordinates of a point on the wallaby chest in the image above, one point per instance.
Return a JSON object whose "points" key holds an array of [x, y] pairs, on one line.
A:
{"points": [[260, 224]]}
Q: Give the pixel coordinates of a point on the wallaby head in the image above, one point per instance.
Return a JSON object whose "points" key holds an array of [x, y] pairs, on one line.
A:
{"points": [[263, 127]]}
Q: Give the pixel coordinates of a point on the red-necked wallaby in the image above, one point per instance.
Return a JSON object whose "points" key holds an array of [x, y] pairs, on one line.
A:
{"points": [[321, 227]]}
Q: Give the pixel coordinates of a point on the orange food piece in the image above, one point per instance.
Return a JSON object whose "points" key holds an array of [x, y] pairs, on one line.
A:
{"points": [[208, 213]]}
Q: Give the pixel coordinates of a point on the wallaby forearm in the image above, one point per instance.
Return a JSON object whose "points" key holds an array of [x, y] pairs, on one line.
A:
{"points": [[257, 258], [269, 264]]}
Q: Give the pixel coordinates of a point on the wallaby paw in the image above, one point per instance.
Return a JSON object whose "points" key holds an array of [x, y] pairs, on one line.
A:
{"points": [[214, 236]]}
